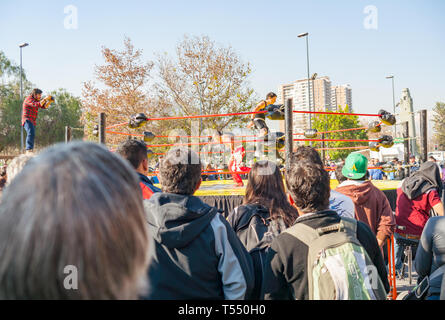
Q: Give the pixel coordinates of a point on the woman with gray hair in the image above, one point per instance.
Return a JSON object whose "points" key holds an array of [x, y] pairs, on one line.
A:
{"points": [[72, 226], [16, 165]]}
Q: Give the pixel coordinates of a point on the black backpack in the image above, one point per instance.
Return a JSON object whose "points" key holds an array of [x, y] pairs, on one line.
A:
{"points": [[256, 230]]}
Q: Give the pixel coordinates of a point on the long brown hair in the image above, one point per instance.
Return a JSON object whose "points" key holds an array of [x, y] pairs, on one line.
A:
{"points": [[265, 187]]}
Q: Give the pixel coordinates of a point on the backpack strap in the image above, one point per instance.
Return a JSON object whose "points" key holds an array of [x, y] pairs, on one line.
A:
{"points": [[350, 225], [438, 272], [307, 234], [303, 233]]}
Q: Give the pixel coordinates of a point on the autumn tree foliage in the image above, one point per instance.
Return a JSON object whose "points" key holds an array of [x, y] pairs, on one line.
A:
{"points": [[204, 78], [123, 88]]}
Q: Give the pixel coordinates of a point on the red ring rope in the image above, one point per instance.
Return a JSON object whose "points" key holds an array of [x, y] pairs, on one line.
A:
{"points": [[247, 113], [338, 113]]}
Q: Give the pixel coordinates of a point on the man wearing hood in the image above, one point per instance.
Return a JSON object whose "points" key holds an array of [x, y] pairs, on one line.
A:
{"points": [[197, 254], [418, 194], [371, 205]]}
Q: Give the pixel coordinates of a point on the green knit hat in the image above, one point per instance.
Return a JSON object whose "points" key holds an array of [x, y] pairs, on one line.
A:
{"points": [[355, 166]]}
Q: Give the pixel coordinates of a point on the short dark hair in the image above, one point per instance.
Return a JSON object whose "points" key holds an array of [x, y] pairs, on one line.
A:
{"points": [[36, 91], [271, 95], [339, 175], [366, 176], [309, 185], [306, 153], [133, 150], [180, 171]]}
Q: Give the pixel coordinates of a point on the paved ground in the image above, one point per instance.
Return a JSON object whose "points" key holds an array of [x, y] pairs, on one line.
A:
{"points": [[403, 285]]}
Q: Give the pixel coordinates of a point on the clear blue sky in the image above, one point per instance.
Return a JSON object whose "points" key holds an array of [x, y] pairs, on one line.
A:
{"points": [[409, 41]]}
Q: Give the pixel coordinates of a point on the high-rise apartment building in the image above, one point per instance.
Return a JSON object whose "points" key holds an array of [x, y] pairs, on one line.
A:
{"points": [[341, 96], [319, 99], [321, 94], [323, 97], [298, 92]]}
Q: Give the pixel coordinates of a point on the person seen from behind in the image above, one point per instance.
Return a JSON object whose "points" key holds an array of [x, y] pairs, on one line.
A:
{"points": [[430, 256], [338, 202], [197, 254], [292, 268], [419, 194], [371, 205], [135, 152], [264, 214], [73, 227]]}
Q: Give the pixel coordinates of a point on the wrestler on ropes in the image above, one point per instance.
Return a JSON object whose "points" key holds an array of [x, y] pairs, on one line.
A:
{"points": [[236, 158], [259, 119]]}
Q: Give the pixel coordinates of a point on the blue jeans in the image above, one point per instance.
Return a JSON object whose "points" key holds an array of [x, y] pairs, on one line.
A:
{"points": [[398, 251], [30, 134]]}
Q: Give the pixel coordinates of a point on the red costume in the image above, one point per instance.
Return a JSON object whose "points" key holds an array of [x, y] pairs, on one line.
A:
{"points": [[236, 158]]}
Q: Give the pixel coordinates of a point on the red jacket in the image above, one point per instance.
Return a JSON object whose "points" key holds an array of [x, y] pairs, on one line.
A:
{"points": [[371, 207], [414, 214], [147, 187]]}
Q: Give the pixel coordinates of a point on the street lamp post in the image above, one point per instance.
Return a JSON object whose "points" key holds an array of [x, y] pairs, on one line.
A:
{"points": [[21, 93], [393, 100], [314, 76], [301, 35]]}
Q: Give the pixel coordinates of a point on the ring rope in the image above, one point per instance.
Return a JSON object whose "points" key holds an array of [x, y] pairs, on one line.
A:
{"points": [[247, 113]]}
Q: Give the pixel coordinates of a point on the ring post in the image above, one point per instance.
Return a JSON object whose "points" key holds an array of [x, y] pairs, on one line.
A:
{"points": [[288, 115], [423, 136], [67, 134], [102, 127]]}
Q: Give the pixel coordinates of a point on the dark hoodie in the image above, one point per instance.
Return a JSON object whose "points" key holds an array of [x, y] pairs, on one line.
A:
{"points": [[420, 182], [371, 207], [197, 254]]}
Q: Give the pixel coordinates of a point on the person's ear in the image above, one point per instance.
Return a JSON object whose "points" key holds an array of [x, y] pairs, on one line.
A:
{"points": [[145, 165], [198, 184]]}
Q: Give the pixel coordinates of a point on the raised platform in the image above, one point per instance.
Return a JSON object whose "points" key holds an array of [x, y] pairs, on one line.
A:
{"points": [[225, 196]]}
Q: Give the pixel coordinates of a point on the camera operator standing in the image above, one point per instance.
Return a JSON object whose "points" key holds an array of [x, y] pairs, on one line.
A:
{"points": [[31, 106]]}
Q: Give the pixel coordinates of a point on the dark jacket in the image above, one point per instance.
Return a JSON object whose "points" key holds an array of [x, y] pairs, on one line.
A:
{"points": [[256, 231], [430, 254], [147, 186], [197, 254], [427, 178], [286, 275]]}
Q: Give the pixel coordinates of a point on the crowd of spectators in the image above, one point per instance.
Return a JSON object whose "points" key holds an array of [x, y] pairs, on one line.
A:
{"points": [[80, 208]]}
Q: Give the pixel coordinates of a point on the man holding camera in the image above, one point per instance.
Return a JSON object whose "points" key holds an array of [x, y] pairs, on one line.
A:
{"points": [[30, 110]]}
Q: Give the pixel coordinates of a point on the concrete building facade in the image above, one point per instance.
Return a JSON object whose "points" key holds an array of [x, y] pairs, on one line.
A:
{"points": [[320, 98], [341, 96]]}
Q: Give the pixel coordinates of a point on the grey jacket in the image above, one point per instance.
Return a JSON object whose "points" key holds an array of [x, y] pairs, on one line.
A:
{"points": [[197, 254], [430, 253]]}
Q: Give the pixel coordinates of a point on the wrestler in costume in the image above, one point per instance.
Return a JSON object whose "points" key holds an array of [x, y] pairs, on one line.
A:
{"points": [[259, 119], [237, 155]]}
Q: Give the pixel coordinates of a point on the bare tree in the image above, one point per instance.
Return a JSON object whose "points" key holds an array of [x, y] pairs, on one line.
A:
{"points": [[204, 79]]}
